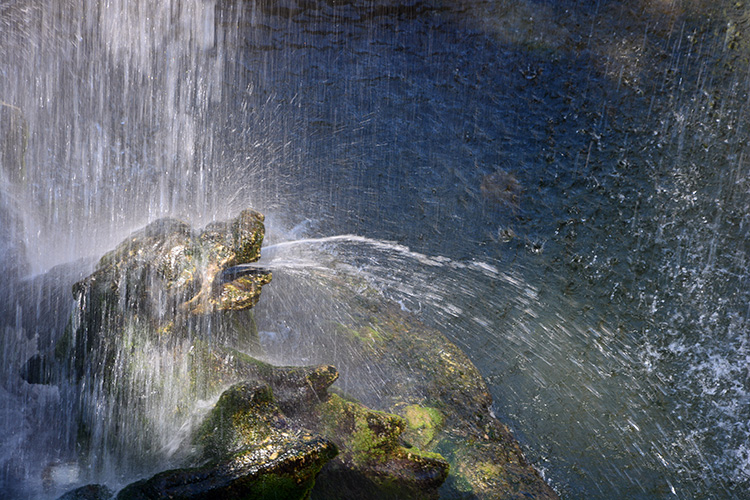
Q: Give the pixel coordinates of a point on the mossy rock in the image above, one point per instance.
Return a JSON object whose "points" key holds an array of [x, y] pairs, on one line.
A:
{"points": [[153, 304], [295, 388], [250, 450], [391, 361], [373, 463], [166, 282]]}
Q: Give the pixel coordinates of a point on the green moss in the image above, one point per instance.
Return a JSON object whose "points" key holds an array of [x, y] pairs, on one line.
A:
{"points": [[366, 336], [420, 455], [369, 436], [363, 435], [241, 418], [423, 424], [366, 445]]}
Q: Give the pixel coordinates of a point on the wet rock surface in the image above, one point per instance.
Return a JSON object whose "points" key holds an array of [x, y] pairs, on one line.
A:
{"points": [[407, 377], [442, 397], [427, 432], [251, 450], [373, 463], [88, 492], [161, 281], [137, 348]]}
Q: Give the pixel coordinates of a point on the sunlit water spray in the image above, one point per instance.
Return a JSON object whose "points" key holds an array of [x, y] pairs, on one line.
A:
{"points": [[108, 118], [560, 379], [633, 385]]}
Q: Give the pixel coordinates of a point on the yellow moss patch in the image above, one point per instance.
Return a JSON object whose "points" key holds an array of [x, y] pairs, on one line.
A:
{"points": [[423, 423]]}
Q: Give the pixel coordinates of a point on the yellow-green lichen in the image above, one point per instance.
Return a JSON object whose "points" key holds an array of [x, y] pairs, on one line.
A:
{"points": [[423, 424], [364, 435], [366, 336]]}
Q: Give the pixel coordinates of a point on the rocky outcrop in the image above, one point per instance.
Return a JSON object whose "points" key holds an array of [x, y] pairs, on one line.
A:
{"points": [[252, 451], [407, 368], [164, 282], [144, 317], [372, 462], [166, 320]]}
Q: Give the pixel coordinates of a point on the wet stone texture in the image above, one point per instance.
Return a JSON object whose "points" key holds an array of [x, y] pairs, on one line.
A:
{"points": [[163, 279], [419, 397], [252, 451], [277, 431], [443, 399]]}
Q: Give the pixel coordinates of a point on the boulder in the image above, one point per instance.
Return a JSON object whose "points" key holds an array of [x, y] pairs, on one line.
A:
{"points": [[392, 362], [251, 451], [162, 295]]}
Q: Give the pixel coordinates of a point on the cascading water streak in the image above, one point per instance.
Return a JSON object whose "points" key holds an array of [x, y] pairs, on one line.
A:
{"points": [[561, 188]]}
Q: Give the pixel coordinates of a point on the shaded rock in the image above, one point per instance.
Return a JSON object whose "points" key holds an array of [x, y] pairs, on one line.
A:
{"points": [[288, 475], [37, 370], [252, 451], [295, 388], [89, 492]]}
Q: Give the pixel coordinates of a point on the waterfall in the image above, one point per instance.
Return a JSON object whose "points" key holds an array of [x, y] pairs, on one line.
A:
{"points": [[560, 188]]}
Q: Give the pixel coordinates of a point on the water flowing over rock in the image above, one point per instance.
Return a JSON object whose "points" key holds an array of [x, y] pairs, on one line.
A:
{"points": [[165, 276], [143, 318], [261, 454], [397, 365], [165, 320]]}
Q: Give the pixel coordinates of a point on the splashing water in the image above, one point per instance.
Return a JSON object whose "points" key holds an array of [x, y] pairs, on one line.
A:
{"points": [[607, 307], [561, 379]]}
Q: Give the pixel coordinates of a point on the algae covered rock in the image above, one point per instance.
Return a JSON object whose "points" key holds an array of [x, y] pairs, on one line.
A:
{"points": [[373, 463], [250, 448], [392, 362], [246, 419], [164, 295], [447, 407], [252, 451], [165, 282]]}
